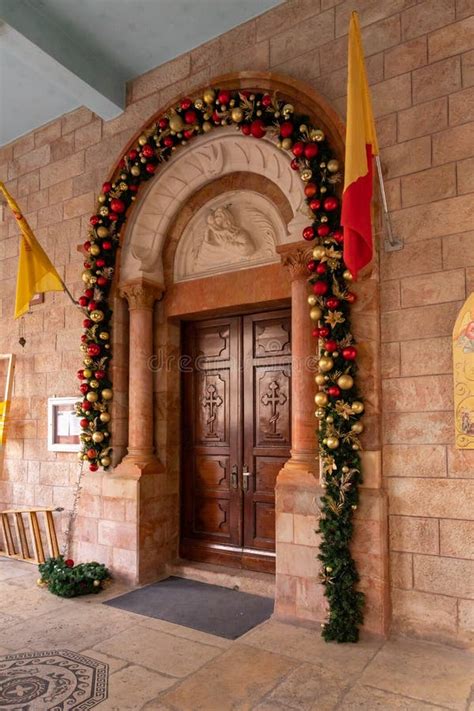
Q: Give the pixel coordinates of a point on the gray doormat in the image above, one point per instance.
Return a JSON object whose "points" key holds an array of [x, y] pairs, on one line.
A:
{"points": [[208, 608]]}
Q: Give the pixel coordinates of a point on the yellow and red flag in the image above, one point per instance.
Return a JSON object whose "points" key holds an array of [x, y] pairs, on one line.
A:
{"points": [[35, 273], [361, 147]]}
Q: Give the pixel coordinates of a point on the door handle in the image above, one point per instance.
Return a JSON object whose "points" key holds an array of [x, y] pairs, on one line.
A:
{"points": [[234, 477], [245, 478]]}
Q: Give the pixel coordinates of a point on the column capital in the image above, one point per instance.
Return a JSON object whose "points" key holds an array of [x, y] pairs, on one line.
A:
{"points": [[141, 294], [295, 257]]}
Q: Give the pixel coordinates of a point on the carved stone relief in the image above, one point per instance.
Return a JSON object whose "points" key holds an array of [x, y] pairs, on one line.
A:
{"points": [[236, 230]]}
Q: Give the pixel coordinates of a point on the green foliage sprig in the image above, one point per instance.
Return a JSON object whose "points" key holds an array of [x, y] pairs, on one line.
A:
{"points": [[65, 579]]}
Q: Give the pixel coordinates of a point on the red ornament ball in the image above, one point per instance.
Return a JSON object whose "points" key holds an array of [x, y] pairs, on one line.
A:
{"points": [[266, 100], [315, 204], [150, 168], [216, 118], [93, 349], [147, 151], [330, 204], [133, 154], [324, 331], [334, 391], [117, 205], [99, 374], [294, 165], [332, 302], [330, 346], [133, 189], [320, 288], [190, 117], [87, 323], [351, 297], [69, 563], [87, 245], [349, 353], [93, 467], [83, 301], [80, 374], [316, 332], [92, 305], [311, 150], [106, 187], [258, 128], [189, 133], [168, 141], [338, 236], [223, 97], [106, 244], [321, 269], [298, 149], [286, 129], [84, 423], [245, 128], [94, 219], [163, 123], [84, 388], [84, 338], [89, 293], [86, 405], [91, 453], [308, 233], [100, 262], [312, 265], [323, 230], [186, 103], [113, 216], [310, 189], [87, 265], [102, 281]]}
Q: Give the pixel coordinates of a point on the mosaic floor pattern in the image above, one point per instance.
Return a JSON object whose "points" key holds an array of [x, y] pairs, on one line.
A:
{"points": [[51, 681]]}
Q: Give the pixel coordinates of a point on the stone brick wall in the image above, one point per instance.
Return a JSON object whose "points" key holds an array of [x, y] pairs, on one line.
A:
{"points": [[421, 67]]}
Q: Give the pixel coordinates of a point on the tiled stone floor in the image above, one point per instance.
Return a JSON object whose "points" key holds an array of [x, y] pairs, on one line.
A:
{"points": [[158, 666]]}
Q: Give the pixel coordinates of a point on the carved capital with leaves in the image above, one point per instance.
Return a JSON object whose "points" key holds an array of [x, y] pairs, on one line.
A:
{"points": [[295, 257], [141, 294]]}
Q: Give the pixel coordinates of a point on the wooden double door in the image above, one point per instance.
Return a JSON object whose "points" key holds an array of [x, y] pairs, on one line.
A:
{"points": [[235, 436]]}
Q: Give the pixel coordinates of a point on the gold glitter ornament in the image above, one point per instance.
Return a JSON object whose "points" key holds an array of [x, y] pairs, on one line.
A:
{"points": [[92, 397], [315, 313], [102, 232], [142, 140], [237, 115], [94, 249], [325, 364], [209, 96], [107, 394], [312, 300], [104, 417], [87, 372], [319, 252], [321, 399], [97, 437], [176, 123], [332, 442], [286, 144], [345, 382], [320, 379]]}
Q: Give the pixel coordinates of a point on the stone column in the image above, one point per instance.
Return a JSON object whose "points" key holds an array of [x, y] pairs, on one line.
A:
{"points": [[298, 591], [141, 296], [294, 258]]}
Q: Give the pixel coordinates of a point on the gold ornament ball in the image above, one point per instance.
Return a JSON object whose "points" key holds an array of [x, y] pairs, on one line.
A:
{"points": [[86, 276], [101, 199], [135, 170], [97, 315], [104, 211], [104, 335], [328, 569], [286, 144], [325, 364], [332, 442], [323, 189], [317, 135], [142, 140], [87, 372], [88, 362], [321, 399], [237, 115], [323, 218], [104, 417], [306, 175], [105, 461], [288, 109], [92, 397], [96, 583], [319, 252], [312, 300], [199, 104], [319, 379], [333, 165], [107, 394], [94, 384], [345, 382], [83, 347], [206, 126], [102, 232], [209, 96], [357, 407], [347, 274], [330, 419], [345, 470], [319, 414], [315, 313], [97, 437], [355, 447], [94, 250], [176, 123], [357, 427]]}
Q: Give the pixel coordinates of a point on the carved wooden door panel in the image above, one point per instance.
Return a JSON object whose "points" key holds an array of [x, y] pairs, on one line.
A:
{"points": [[267, 422], [236, 436]]}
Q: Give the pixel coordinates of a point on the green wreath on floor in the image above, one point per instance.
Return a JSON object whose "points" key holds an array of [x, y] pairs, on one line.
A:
{"points": [[65, 579], [339, 409]]}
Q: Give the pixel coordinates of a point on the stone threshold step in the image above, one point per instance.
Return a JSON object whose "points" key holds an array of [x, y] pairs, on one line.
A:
{"points": [[247, 581]]}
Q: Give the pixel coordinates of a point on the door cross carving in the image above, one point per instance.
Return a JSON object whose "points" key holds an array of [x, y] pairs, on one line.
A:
{"points": [[211, 402], [274, 397]]}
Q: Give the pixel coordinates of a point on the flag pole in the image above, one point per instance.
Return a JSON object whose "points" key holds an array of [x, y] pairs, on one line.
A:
{"points": [[393, 243], [69, 293]]}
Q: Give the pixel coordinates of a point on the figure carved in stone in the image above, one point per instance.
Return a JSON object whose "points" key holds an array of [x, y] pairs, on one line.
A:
{"points": [[224, 240]]}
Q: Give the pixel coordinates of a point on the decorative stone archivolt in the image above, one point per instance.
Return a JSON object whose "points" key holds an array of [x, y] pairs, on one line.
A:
{"points": [[236, 230], [209, 157]]}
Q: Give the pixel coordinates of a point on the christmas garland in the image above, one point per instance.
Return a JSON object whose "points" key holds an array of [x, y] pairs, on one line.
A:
{"points": [[338, 407], [65, 579]]}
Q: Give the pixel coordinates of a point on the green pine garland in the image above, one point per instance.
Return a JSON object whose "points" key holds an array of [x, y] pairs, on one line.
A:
{"points": [[256, 115], [65, 579]]}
